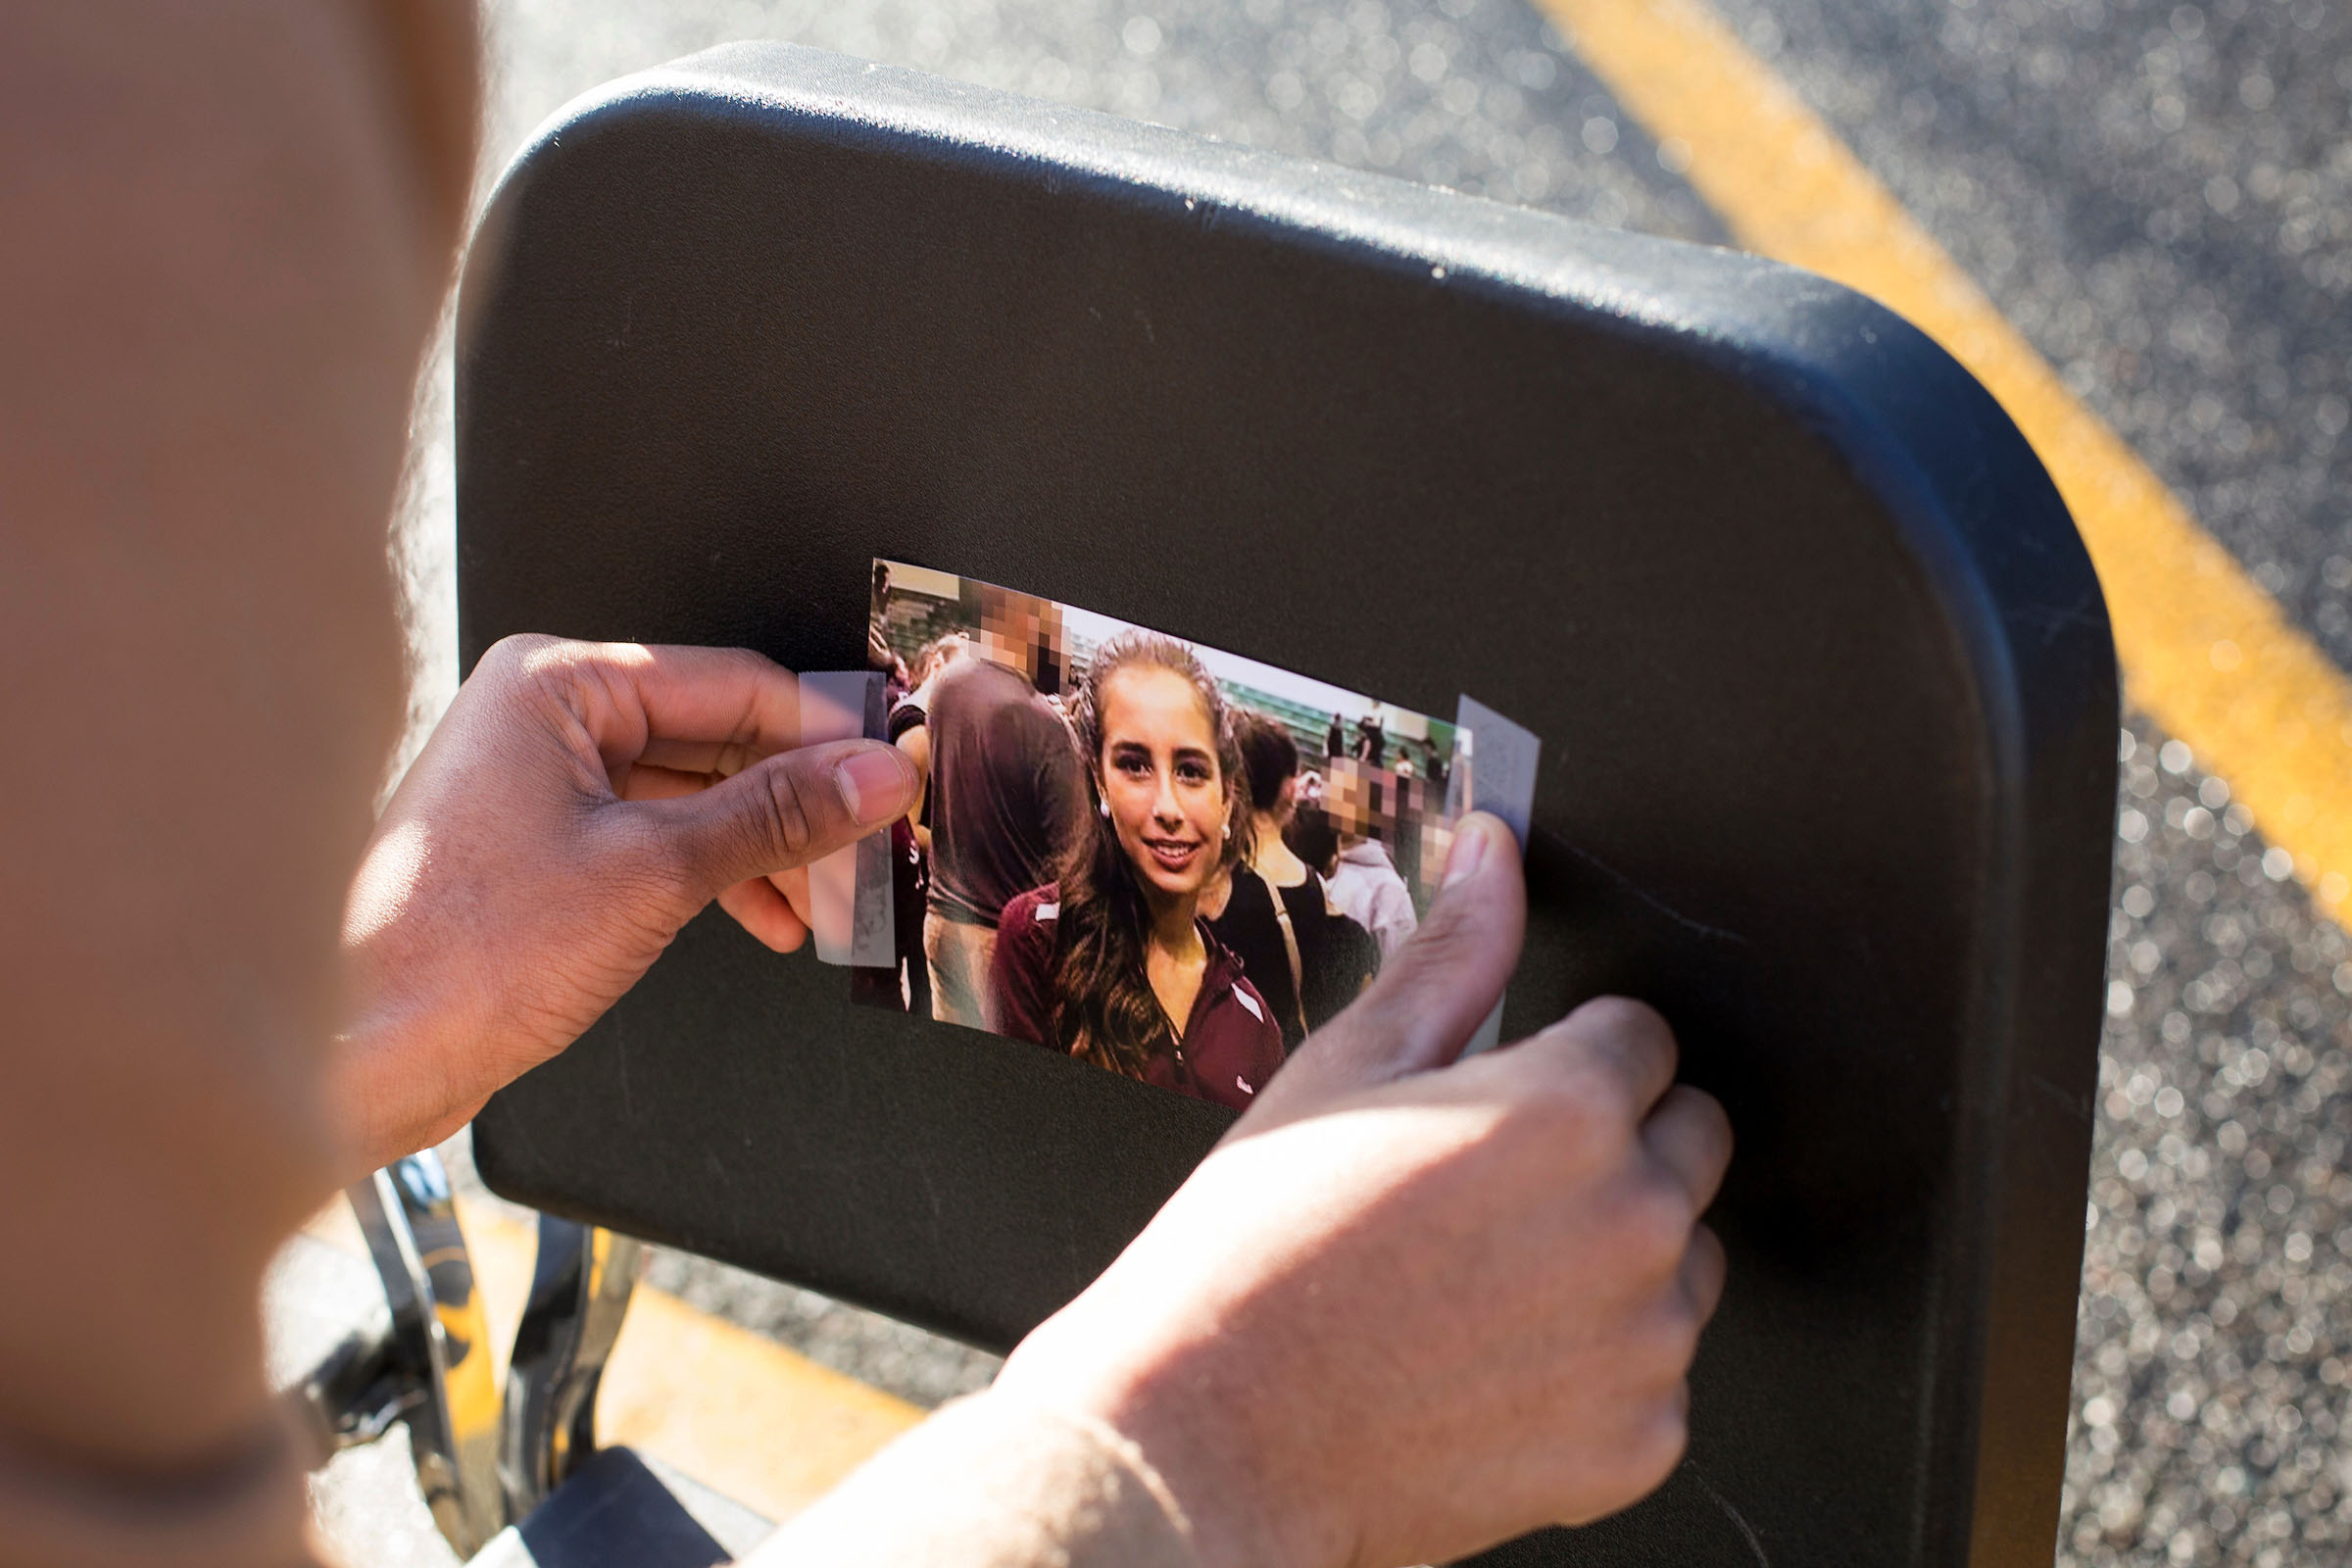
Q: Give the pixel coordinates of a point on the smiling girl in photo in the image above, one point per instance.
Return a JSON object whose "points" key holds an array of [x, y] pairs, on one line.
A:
{"points": [[1111, 962]]}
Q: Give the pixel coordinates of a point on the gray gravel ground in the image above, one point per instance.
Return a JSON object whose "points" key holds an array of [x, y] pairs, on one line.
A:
{"points": [[2158, 196], [2215, 1332], [908, 1362]]}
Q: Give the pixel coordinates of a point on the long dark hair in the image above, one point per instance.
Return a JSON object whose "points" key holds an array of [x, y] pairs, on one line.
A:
{"points": [[1105, 1010], [1269, 757], [1312, 838]]}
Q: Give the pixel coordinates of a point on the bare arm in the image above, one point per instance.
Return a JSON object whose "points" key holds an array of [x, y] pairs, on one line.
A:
{"points": [[229, 231], [917, 744]]}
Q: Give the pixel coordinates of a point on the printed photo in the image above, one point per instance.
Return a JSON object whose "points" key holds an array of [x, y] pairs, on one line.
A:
{"points": [[1165, 859]]}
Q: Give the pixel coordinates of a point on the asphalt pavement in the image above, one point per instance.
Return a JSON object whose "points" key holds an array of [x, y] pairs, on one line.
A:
{"points": [[2157, 195]]}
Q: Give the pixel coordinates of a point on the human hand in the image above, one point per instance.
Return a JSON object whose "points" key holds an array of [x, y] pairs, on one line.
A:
{"points": [[1411, 1307], [577, 804]]}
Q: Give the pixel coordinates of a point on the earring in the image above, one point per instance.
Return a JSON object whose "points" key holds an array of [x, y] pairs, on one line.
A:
{"points": [[1106, 809]]}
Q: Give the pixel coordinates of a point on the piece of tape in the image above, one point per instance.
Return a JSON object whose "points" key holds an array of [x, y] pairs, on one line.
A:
{"points": [[850, 899], [1494, 770]]}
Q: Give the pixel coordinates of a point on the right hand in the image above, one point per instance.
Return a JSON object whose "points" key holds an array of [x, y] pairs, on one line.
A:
{"points": [[579, 804], [1412, 1307]]}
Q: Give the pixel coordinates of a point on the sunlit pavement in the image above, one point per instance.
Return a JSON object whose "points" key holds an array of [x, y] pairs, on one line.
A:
{"points": [[2157, 196]]}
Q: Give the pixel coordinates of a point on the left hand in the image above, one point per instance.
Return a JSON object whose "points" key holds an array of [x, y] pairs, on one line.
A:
{"points": [[1412, 1305], [579, 804]]}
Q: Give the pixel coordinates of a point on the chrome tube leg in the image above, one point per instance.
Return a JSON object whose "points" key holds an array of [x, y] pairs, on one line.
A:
{"points": [[581, 1290], [440, 1341]]}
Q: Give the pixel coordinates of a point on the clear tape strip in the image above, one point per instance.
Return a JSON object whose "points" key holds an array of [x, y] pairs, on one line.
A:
{"points": [[850, 897], [1494, 770]]}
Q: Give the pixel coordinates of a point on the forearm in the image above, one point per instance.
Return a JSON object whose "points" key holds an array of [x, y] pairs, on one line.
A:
{"points": [[200, 434], [991, 1482], [223, 263], [407, 1070]]}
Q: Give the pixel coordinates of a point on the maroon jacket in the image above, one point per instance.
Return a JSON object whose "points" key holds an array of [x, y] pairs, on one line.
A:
{"points": [[1231, 1044]]}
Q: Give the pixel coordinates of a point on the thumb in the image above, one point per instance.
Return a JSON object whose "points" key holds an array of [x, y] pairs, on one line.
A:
{"points": [[1433, 996], [784, 812]]}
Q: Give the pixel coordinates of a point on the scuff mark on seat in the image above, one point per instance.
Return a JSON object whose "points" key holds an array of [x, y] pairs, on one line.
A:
{"points": [[1747, 1532]]}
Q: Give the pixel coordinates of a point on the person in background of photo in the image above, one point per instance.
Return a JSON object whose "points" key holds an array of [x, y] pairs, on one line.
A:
{"points": [[1365, 886], [1306, 957], [1346, 957], [1335, 739], [906, 983], [1005, 793], [1240, 904], [1364, 882], [910, 724], [1310, 835], [879, 652], [1437, 770], [1111, 962]]}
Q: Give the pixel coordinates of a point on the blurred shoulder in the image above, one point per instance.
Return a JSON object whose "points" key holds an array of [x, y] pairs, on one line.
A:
{"points": [[1034, 913]]}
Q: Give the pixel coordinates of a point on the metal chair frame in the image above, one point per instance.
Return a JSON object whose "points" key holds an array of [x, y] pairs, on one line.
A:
{"points": [[485, 1459]]}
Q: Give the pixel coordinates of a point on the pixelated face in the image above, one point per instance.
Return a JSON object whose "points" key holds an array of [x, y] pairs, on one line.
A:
{"points": [[1020, 631], [1345, 796], [1161, 778]]}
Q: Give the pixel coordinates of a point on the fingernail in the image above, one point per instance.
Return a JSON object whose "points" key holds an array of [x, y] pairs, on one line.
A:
{"points": [[873, 784], [1468, 851]]}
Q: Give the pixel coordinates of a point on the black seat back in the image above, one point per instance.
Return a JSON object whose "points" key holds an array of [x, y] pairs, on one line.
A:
{"points": [[1820, 667]]}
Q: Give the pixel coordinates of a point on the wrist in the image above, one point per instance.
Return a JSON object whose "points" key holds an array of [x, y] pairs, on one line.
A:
{"points": [[413, 1064], [414, 1060], [391, 1091], [1193, 1427]]}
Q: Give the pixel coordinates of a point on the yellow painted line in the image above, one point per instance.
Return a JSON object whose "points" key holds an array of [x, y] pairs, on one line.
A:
{"points": [[738, 1412], [2205, 652]]}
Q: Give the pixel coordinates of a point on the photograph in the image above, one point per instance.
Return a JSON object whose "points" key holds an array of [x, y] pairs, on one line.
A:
{"points": [[1166, 859]]}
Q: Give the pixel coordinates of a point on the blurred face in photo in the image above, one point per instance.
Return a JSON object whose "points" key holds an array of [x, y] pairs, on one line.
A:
{"points": [[1022, 633], [1346, 798], [1167, 796], [939, 656]]}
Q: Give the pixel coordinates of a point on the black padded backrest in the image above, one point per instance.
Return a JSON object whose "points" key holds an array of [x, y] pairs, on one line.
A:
{"points": [[1820, 666]]}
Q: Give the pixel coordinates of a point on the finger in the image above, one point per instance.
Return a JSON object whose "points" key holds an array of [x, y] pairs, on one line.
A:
{"points": [[689, 710], [785, 811], [1691, 1135], [1624, 1040], [814, 716], [1443, 983], [1703, 1272], [760, 909], [794, 885]]}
